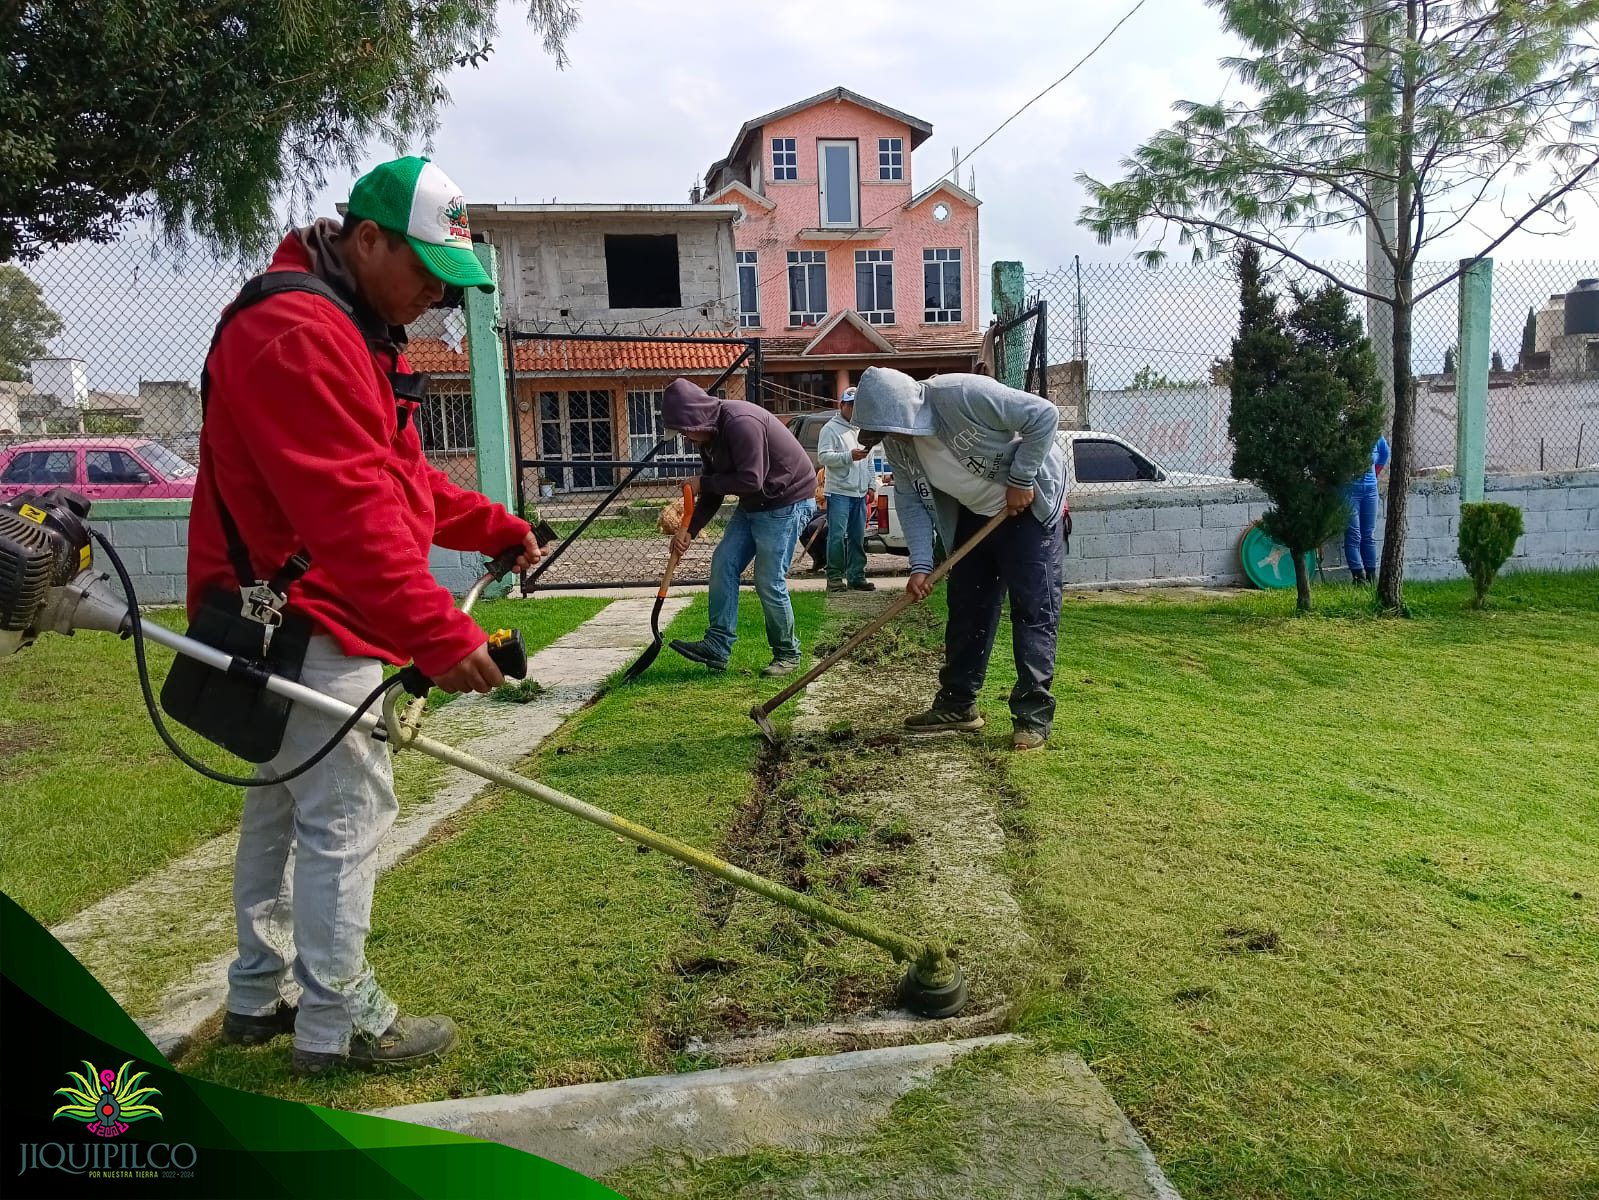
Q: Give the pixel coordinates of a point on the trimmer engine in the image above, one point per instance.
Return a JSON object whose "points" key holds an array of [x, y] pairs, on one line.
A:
{"points": [[44, 544]]}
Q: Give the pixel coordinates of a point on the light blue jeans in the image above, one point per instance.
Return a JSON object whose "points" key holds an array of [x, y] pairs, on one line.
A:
{"points": [[306, 866], [846, 539], [769, 538], [1360, 537]]}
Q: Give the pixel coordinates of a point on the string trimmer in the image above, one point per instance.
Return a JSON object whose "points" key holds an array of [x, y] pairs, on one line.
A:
{"points": [[48, 585], [761, 714]]}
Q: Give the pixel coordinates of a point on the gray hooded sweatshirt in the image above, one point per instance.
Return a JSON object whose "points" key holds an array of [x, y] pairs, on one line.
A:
{"points": [[997, 432], [751, 454]]}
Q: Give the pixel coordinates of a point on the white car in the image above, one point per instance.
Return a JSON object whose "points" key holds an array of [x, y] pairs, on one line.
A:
{"points": [[1095, 462]]}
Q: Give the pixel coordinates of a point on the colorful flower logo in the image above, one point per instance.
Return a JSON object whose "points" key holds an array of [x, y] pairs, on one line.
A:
{"points": [[108, 1104], [455, 219]]}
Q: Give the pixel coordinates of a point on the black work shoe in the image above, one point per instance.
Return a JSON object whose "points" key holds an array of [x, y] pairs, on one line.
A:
{"points": [[240, 1030], [407, 1042], [779, 667], [837, 585], [865, 585], [942, 720], [701, 653]]}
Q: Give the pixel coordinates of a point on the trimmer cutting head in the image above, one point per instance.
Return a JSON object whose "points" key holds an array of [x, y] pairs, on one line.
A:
{"points": [[932, 997]]}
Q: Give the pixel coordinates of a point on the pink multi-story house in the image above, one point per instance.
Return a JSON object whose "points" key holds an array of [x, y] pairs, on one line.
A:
{"points": [[842, 264]]}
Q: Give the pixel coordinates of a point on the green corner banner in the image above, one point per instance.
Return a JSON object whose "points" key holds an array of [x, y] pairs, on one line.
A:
{"points": [[93, 1109]]}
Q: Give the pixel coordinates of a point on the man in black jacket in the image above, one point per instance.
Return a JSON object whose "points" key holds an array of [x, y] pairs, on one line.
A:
{"points": [[747, 453]]}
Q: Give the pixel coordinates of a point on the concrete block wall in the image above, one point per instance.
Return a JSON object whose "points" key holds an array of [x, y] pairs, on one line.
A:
{"points": [[1191, 535], [1155, 535], [155, 550]]}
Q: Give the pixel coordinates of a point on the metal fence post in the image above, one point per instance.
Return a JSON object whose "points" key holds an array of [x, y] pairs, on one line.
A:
{"points": [[1471, 377], [491, 415], [1010, 287]]}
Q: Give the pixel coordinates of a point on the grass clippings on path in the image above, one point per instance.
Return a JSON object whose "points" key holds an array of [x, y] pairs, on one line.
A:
{"points": [[549, 939]]}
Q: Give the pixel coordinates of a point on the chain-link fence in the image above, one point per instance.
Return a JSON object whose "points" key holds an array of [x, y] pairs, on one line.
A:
{"points": [[100, 355], [1142, 355]]}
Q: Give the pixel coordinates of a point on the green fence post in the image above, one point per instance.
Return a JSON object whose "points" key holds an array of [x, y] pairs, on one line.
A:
{"points": [[1009, 289], [491, 415], [1471, 376]]}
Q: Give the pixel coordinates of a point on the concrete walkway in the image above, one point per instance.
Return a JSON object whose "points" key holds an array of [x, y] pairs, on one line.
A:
{"points": [[187, 902], [1040, 1126]]}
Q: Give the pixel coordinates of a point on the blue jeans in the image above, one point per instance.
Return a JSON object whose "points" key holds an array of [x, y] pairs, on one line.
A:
{"points": [[1360, 535], [769, 538], [1021, 559], [846, 539]]}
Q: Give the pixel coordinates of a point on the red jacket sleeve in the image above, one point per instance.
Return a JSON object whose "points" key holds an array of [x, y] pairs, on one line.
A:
{"points": [[466, 520], [310, 406]]}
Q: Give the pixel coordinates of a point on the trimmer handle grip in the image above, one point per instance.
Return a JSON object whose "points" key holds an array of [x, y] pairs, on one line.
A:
{"points": [[505, 647], [501, 564], [509, 653]]}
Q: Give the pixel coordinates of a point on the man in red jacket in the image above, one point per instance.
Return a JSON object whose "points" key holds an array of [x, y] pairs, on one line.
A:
{"points": [[308, 447]]}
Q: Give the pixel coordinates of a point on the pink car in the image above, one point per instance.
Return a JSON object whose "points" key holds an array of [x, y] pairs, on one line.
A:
{"points": [[102, 468]]}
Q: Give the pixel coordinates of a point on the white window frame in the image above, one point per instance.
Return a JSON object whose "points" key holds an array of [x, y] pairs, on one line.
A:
{"points": [[447, 411], [806, 263], [891, 158], [749, 318], [785, 159], [937, 261], [877, 312], [852, 149], [644, 429], [562, 425]]}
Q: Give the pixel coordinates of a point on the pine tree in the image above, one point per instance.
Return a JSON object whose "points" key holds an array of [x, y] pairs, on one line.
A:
{"points": [[1435, 111], [1306, 409], [1529, 339], [1449, 360]]}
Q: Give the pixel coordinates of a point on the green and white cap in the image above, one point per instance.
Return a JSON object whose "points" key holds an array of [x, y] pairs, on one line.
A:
{"points": [[411, 196]]}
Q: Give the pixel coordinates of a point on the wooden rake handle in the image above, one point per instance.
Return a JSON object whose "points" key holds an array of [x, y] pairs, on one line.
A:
{"points": [[882, 618], [674, 557]]}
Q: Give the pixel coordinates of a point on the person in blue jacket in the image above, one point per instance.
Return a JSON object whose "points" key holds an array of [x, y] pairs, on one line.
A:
{"points": [[1360, 537]]}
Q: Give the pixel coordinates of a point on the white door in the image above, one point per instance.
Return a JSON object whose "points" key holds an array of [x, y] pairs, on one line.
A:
{"points": [[840, 184]]}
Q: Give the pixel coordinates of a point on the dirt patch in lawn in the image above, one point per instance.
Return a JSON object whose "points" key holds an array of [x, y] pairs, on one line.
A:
{"points": [[910, 833]]}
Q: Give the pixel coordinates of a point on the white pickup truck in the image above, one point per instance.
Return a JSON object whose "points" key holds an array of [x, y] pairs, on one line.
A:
{"points": [[1095, 462]]}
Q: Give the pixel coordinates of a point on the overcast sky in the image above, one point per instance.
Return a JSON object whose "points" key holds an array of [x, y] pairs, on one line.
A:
{"points": [[656, 89]]}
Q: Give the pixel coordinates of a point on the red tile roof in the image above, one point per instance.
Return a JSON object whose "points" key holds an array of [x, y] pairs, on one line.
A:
{"points": [[558, 356], [921, 344]]}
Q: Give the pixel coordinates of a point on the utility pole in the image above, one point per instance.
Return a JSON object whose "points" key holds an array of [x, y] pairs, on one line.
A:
{"points": [[1382, 229]]}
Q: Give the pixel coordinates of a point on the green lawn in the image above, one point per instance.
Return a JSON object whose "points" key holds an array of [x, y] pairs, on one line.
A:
{"points": [[632, 525], [1323, 894], [91, 798], [574, 931], [1318, 898]]}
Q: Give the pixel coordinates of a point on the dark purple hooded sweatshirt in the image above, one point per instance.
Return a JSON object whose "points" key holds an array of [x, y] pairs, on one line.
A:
{"points": [[751, 454]]}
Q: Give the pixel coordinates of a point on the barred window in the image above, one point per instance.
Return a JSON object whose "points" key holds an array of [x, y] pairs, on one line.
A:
{"points": [[444, 422]]}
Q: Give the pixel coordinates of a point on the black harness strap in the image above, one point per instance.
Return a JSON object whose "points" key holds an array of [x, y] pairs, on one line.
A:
{"points": [[406, 386]]}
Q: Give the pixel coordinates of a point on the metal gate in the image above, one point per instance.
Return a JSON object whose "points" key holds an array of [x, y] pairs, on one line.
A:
{"points": [[1021, 348], [592, 456]]}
